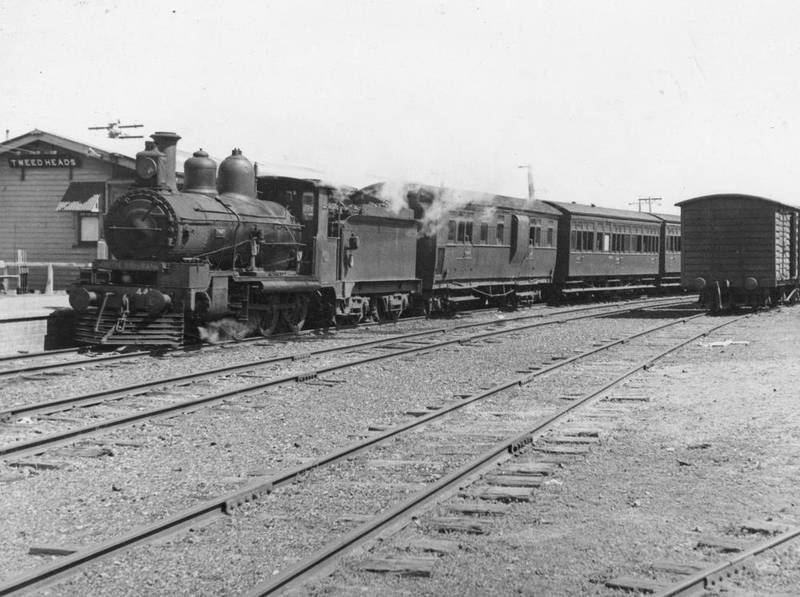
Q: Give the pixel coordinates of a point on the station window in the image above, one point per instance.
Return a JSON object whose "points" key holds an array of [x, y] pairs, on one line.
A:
{"points": [[500, 231], [484, 232], [88, 227]]}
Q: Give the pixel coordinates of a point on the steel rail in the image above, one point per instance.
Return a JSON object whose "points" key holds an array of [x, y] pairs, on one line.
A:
{"points": [[336, 549], [707, 579], [93, 398], [37, 354], [71, 364], [228, 502], [39, 444]]}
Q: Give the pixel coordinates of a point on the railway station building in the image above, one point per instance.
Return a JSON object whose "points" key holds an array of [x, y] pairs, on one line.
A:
{"points": [[53, 192]]}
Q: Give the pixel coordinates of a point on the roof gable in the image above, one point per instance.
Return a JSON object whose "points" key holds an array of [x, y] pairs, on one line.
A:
{"points": [[81, 148]]}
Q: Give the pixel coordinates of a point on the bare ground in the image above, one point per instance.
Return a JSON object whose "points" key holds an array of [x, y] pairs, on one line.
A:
{"points": [[717, 445]]}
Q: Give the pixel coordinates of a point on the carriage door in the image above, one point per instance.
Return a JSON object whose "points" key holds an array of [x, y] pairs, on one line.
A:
{"points": [[520, 238]]}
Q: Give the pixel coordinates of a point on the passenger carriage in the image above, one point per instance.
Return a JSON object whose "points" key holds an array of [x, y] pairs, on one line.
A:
{"points": [[606, 251]]}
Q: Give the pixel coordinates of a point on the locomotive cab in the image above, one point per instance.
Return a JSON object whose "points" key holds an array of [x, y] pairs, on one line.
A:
{"points": [[307, 201]]}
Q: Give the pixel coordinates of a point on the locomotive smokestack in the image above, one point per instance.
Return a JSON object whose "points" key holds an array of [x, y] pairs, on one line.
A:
{"points": [[166, 143]]}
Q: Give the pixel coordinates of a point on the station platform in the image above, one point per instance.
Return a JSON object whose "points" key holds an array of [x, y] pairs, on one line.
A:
{"points": [[17, 306], [34, 322]]}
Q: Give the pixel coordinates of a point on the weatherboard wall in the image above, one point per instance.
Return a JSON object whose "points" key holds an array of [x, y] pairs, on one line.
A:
{"points": [[29, 220]]}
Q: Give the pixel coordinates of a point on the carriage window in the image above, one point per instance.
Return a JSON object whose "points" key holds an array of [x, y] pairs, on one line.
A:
{"points": [[606, 242], [484, 232], [550, 237], [500, 234], [461, 231], [451, 230], [573, 239], [535, 237], [468, 233]]}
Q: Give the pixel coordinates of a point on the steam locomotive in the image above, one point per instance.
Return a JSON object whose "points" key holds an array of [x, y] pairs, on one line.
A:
{"points": [[270, 252], [261, 250]]}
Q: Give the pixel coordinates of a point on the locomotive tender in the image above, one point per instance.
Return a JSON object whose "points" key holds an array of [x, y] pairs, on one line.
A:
{"points": [[272, 251], [740, 250]]}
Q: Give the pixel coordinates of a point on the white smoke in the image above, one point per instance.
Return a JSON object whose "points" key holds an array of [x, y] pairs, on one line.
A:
{"points": [[224, 330], [440, 204], [393, 194]]}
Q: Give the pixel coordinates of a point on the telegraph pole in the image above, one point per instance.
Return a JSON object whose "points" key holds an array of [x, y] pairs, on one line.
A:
{"points": [[531, 190], [649, 200]]}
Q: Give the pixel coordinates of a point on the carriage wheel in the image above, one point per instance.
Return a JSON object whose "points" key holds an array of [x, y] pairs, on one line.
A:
{"points": [[294, 314], [265, 321]]}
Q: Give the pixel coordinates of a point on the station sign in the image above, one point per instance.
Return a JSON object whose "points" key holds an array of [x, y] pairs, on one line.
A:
{"points": [[57, 160]]}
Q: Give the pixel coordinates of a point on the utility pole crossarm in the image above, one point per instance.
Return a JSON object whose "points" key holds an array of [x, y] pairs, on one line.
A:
{"points": [[649, 200]]}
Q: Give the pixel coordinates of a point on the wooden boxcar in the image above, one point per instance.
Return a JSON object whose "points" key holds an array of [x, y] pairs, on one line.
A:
{"points": [[739, 250], [602, 250]]}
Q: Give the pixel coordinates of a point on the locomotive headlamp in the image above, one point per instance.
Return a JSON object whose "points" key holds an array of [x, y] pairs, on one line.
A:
{"points": [[146, 167], [750, 283], [699, 283]]}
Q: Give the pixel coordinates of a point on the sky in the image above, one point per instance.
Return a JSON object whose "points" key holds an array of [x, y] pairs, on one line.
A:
{"points": [[606, 100]]}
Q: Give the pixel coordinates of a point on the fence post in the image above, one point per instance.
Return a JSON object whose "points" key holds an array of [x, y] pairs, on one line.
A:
{"points": [[48, 286]]}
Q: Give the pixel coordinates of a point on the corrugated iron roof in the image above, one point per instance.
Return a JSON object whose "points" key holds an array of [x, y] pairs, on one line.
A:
{"points": [[580, 209], [82, 196]]}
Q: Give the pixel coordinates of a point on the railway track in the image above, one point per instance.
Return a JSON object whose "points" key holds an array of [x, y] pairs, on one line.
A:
{"points": [[469, 458], [397, 346], [734, 556], [30, 363]]}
